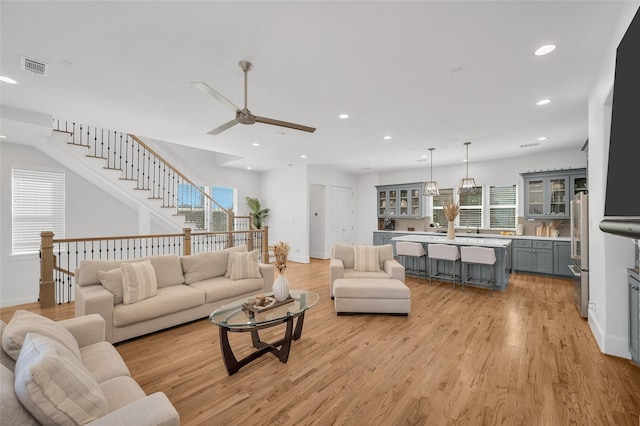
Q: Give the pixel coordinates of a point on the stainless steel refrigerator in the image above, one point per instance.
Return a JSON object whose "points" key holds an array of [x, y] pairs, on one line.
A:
{"points": [[580, 251]]}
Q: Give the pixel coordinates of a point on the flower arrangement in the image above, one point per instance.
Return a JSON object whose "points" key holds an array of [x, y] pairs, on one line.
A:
{"points": [[451, 210], [281, 251]]}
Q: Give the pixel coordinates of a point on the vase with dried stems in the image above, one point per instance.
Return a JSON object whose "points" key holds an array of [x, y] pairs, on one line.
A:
{"points": [[451, 210], [281, 285]]}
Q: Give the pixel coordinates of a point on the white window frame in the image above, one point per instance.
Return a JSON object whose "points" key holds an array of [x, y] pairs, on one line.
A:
{"points": [[31, 203], [514, 206], [472, 207]]}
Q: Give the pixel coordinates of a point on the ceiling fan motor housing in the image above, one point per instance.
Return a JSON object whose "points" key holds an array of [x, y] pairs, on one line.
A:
{"points": [[244, 116]]}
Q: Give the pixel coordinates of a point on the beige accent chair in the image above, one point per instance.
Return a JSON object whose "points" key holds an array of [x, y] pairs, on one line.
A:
{"points": [[342, 265]]}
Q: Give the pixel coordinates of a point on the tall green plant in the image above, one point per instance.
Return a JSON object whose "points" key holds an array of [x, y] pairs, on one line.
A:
{"points": [[257, 212]]}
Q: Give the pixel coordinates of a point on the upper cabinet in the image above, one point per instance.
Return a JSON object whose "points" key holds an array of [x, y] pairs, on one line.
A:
{"points": [[400, 201], [547, 195]]}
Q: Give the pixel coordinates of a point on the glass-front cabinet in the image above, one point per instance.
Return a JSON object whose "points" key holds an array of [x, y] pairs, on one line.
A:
{"points": [[547, 195], [400, 201]]}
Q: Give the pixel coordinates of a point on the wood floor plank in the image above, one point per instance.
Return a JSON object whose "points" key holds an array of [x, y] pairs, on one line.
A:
{"points": [[520, 357]]}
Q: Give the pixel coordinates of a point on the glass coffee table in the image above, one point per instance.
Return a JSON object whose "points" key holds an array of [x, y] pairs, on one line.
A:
{"points": [[233, 318]]}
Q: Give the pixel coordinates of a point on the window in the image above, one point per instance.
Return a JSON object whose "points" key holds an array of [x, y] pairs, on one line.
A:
{"points": [[471, 208], [191, 204], [225, 197], [502, 206], [37, 204], [437, 213]]}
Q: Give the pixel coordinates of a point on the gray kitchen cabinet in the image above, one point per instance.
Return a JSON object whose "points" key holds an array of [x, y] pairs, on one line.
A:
{"points": [[400, 201], [562, 258], [547, 195], [378, 238], [634, 320], [533, 256]]}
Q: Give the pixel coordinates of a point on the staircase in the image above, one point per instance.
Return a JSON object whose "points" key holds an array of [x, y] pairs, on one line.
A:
{"points": [[127, 168]]}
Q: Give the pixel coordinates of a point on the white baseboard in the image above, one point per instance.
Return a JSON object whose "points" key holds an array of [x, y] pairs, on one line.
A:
{"points": [[609, 344], [318, 255], [299, 259], [14, 302]]}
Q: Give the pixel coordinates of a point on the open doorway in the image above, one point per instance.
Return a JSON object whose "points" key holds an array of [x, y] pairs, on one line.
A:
{"points": [[317, 219]]}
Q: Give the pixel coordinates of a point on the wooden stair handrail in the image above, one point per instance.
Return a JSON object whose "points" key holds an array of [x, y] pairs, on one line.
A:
{"points": [[186, 179]]}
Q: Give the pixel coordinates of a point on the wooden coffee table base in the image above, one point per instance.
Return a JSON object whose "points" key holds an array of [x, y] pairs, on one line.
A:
{"points": [[284, 344]]}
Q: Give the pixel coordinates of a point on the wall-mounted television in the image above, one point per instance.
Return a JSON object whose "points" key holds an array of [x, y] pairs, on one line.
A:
{"points": [[622, 197]]}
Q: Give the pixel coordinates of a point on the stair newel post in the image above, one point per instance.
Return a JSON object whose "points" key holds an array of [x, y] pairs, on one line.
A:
{"points": [[186, 247], [46, 286], [230, 220], [265, 243]]}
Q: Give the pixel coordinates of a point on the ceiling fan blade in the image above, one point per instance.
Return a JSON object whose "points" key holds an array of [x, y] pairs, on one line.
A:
{"points": [[212, 92], [224, 127], [285, 124]]}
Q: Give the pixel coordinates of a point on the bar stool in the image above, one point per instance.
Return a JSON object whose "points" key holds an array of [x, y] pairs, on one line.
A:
{"points": [[481, 256], [444, 252], [414, 250]]}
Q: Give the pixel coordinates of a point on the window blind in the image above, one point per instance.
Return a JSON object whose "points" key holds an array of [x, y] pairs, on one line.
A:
{"points": [[471, 208], [502, 206], [37, 204]]}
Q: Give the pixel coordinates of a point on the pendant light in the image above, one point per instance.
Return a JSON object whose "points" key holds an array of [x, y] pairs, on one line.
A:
{"points": [[467, 184], [431, 187]]}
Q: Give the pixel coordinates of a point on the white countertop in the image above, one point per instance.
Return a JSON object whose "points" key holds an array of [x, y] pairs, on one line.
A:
{"points": [[474, 235], [466, 241]]}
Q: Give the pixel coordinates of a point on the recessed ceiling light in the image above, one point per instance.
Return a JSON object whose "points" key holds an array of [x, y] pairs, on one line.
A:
{"points": [[7, 80], [255, 144], [3, 137], [424, 155], [248, 167], [343, 116], [543, 102], [545, 49], [303, 156], [386, 138], [543, 138]]}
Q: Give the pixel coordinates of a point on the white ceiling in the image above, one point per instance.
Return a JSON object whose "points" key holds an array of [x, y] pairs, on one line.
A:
{"points": [[430, 74]]}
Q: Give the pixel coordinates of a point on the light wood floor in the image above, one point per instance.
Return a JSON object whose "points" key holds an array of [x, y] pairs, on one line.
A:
{"points": [[522, 357]]}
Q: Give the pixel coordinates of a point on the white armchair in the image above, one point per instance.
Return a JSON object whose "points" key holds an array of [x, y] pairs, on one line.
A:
{"points": [[343, 264]]}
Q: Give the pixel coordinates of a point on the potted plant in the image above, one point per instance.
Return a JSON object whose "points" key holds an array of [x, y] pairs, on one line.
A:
{"points": [[257, 212]]}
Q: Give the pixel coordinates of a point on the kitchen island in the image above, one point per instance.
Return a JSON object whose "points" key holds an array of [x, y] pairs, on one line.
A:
{"points": [[502, 247]]}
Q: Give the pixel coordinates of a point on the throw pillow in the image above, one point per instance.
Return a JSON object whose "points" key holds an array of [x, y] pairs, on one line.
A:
{"points": [[244, 265], [366, 259], [138, 281], [205, 265], [24, 322], [112, 281], [168, 269], [13, 412], [54, 387], [243, 249]]}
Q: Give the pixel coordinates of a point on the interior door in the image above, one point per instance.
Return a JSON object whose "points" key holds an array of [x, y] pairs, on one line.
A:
{"points": [[342, 215]]}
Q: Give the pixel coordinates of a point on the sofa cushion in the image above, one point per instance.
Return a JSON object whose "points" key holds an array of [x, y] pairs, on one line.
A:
{"points": [[103, 361], [23, 322], [221, 288], [346, 253], [54, 386], [5, 359], [168, 269], [89, 270], [112, 281], [167, 301], [244, 265], [138, 281], [13, 412], [241, 249], [204, 265], [121, 391], [367, 258]]}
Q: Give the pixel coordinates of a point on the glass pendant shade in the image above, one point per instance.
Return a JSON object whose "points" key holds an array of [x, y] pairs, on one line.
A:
{"points": [[467, 184], [431, 187]]}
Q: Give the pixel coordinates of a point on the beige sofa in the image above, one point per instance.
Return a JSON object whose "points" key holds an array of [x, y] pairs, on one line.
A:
{"points": [[343, 264], [66, 373], [187, 288]]}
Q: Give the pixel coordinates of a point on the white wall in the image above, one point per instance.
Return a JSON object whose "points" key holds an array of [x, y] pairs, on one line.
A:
{"points": [[89, 212], [284, 192], [330, 178], [609, 255], [504, 171]]}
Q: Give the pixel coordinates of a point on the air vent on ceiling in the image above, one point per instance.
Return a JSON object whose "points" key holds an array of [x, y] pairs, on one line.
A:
{"points": [[529, 145], [32, 65]]}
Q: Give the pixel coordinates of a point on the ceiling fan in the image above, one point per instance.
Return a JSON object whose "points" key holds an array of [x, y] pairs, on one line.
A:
{"points": [[244, 116]]}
